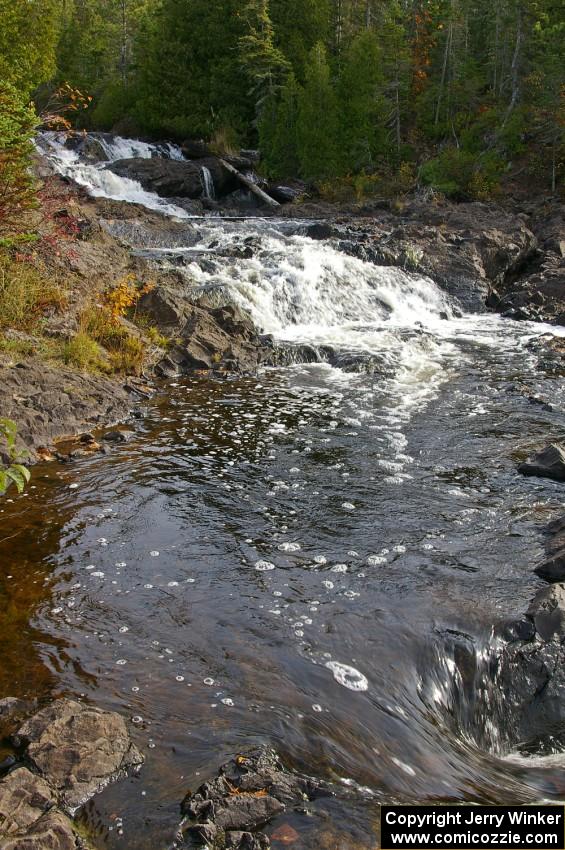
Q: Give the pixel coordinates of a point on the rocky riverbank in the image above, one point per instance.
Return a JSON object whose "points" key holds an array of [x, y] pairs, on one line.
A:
{"points": [[486, 257]]}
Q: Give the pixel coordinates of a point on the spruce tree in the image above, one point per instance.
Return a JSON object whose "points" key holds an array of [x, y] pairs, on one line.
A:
{"points": [[278, 138], [317, 119], [363, 111]]}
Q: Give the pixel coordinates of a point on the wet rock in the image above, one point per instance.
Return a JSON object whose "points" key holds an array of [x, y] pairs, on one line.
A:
{"points": [[548, 463], [118, 436], [246, 841], [171, 178], [248, 793], [553, 568], [282, 194], [78, 749], [468, 249], [222, 338], [547, 612], [321, 230], [246, 811], [531, 674], [53, 831]]}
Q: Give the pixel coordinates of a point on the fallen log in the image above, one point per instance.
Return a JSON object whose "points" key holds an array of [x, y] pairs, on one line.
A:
{"points": [[250, 185]]}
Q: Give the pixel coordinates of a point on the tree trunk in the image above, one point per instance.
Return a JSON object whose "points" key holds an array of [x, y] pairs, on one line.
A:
{"points": [[443, 72], [250, 184], [515, 71]]}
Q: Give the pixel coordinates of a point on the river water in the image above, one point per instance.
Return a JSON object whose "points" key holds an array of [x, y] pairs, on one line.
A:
{"points": [[313, 557]]}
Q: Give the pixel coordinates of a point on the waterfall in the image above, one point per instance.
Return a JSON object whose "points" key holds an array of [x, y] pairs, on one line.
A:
{"points": [[207, 183]]}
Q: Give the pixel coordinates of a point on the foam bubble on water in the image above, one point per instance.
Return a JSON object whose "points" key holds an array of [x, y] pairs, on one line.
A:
{"points": [[154, 553], [97, 574], [399, 548], [317, 708], [348, 506], [264, 566], [102, 541], [73, 486], [289, 547], [208, 681], [376, 560], [339, 568], [320, 559], [328, 584], [121, 661], [123, 629], [227, 701], [348, 676]]}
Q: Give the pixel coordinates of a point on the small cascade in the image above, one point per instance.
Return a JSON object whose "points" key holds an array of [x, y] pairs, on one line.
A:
{"points": [[207, 183]]}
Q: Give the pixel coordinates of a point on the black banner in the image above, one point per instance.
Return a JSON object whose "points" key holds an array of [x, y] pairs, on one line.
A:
{"points": [[444, 827]]}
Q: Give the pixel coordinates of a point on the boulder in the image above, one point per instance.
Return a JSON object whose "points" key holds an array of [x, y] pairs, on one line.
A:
{"points": [[222, 338], [548, 463], [531, 673], [78, 749], [171, 178], [196, 149], [547, 612]]}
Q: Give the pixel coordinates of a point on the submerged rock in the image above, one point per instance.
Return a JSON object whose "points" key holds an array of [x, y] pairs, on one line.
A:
{"points": [[548, 463]]}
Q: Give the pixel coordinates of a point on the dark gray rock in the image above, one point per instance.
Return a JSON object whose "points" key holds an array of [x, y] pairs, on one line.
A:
{"points": [[248, 793], [548, 463], [547, 612], [118, 436], [173, 178], [553, 568]]}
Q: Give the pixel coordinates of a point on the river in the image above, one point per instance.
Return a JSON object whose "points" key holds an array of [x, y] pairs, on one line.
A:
{"points": [[313, 557]]}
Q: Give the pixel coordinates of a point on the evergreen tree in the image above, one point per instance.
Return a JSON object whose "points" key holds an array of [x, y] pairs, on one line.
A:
{"points": [[264, 64], [317, 125], [298, 26], [362, 104], [28, 39], [278, 137]]}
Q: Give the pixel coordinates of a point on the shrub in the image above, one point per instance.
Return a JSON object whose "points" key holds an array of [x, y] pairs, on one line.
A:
{"points": [[461, 174]]}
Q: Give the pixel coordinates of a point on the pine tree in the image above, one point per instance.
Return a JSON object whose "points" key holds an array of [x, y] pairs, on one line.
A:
{"points": [[317, 126]]}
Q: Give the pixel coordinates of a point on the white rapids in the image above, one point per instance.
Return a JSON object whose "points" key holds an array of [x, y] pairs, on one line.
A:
{"points": [[302, 290]]}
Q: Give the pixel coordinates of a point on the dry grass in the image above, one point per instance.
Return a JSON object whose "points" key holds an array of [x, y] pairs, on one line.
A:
{"points": [[27, 293]]}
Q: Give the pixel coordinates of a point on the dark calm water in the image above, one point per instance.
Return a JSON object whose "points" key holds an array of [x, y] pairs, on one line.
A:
{"points": [[201, 578]]}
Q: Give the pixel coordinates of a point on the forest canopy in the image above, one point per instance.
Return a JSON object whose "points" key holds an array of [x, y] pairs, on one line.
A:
{"points": [[456, 92]]}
